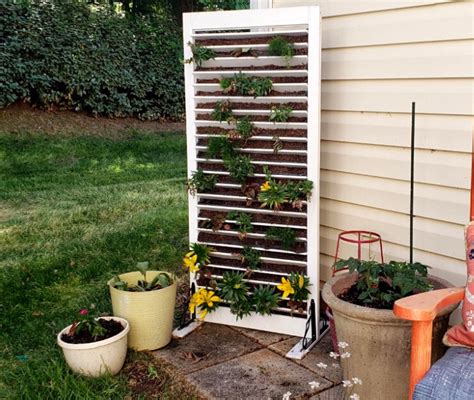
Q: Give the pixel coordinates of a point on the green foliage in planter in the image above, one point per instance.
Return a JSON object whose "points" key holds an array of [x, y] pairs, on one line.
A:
{"points": [[200, 54], [201, 182], [286, 236], [244, 128], [202, 253], [272, 193], [232, 288], [280, 113], [222, 111], [239, 167], [250, 258], [66, 55], [241, 308], [279, 46], [244, 85], [160, 281], [243, 221], [265, 300], [380, 285], [221, 147], [298, 192]]}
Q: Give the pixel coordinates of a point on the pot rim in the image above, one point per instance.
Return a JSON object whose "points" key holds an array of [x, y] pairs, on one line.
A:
{"points": [[111, 280], [367, 313], [100, 343]]}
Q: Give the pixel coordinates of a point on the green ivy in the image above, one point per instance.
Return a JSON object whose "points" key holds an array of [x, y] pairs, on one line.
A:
{"points": [[70, 56]]}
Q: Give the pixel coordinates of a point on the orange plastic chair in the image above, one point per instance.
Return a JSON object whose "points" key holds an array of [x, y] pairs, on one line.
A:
{"points": [[422, 310]]}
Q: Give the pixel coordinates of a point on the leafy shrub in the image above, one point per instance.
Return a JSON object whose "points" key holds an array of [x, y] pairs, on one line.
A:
{"points": [[244, 128], [200, 54], [280, 114], [222, 111], [279, 46], [221, 147], [286, 236], [62, 54], [201, 182], [244, 85]]}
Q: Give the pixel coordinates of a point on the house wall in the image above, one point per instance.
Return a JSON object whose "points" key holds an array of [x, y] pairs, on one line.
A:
{"points": [[378, 57]]}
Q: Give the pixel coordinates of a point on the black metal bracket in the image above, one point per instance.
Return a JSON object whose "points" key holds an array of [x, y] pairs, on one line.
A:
{"points": [[310, 326], [192, 316]]}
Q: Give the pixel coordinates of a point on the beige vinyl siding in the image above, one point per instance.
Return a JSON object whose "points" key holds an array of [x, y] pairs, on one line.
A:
{"points": [[378, 57]]}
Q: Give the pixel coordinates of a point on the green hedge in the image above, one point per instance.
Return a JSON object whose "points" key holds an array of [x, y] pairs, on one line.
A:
{"points": [[68, 55]]}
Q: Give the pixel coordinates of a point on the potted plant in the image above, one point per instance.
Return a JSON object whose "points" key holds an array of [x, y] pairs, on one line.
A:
{"points": [[147, 300], [95, 346], [361, 302]]}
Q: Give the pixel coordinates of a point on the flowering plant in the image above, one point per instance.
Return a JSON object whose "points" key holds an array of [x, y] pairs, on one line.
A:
{"points": [[197, 257], [295, 288], [203, 302], [86, 321]]}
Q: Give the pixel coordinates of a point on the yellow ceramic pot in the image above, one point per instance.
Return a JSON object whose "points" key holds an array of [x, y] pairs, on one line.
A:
{"points": [[150, 314]]}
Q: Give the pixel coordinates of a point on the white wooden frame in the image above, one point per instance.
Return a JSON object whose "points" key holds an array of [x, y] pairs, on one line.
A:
{"points": [[261, 21]]}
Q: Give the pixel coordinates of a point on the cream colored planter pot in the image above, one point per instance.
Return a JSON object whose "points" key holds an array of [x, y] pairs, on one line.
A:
{"points": [[98, 358], [150, 314], [379, 342]]}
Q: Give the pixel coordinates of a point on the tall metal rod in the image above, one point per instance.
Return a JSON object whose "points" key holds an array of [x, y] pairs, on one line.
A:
{"points": [[412, 177]]}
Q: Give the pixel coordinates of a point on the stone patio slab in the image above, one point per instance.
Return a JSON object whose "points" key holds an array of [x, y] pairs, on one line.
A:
{"points": [[319, 354], [260, 375], [335, 393], [264, 338], [208, 345]]}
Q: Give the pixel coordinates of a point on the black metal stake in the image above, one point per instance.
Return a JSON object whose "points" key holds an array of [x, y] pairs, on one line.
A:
{"points": [[412, 178]]}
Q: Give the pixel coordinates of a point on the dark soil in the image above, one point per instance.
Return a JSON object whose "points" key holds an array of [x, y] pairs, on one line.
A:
{"points": [[212, 130], [21, 117], [255, 229], [351, 296], [253, 40], [258, 53], [269, 157], [255, 106], [258, 169], [263, 144], [113, 328], [233, 262], [263, 118], [272, 93], [269, 218], [275, 79], [300, 247], [254, 68]]}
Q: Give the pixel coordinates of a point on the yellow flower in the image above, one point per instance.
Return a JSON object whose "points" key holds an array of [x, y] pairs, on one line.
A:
{"points": [[301, 281], [209, 297], [286, 287], [203, 314], [195, 301], [189, 261], [265, 186]]}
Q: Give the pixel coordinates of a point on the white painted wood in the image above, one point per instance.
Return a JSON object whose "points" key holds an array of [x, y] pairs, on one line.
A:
{"points": [[432, 96], [330, 8], [264, 23]]}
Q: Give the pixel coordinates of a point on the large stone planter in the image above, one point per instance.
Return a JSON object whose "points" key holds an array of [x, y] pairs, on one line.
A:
{"points": [[150, 314], [379, 342]]}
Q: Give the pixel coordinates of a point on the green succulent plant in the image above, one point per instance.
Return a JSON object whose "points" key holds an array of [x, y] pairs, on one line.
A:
{"points": [[265, 300]]}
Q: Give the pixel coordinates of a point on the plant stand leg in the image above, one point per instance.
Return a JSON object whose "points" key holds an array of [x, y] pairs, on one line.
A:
{"points": [[187, 325], [303, 347]]}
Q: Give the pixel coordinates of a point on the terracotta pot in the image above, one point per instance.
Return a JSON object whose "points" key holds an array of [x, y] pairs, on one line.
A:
{"points": [[98, 358], [150, 314], [379, 342]]}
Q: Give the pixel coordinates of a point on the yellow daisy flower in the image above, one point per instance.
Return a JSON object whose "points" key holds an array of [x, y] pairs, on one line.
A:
{"points": [[265, 186], [286, 287], [209, 297]]}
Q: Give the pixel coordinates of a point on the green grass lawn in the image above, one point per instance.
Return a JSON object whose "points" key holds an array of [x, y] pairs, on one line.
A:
{"points": [[74, 211]]}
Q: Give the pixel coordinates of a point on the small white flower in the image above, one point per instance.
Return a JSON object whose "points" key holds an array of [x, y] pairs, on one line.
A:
{"points": [[345, 355], [354, 396], [346, 383], [357, 381], [314, 385], [342, 345], [322, 365], [286, 396], [334, 355]]}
